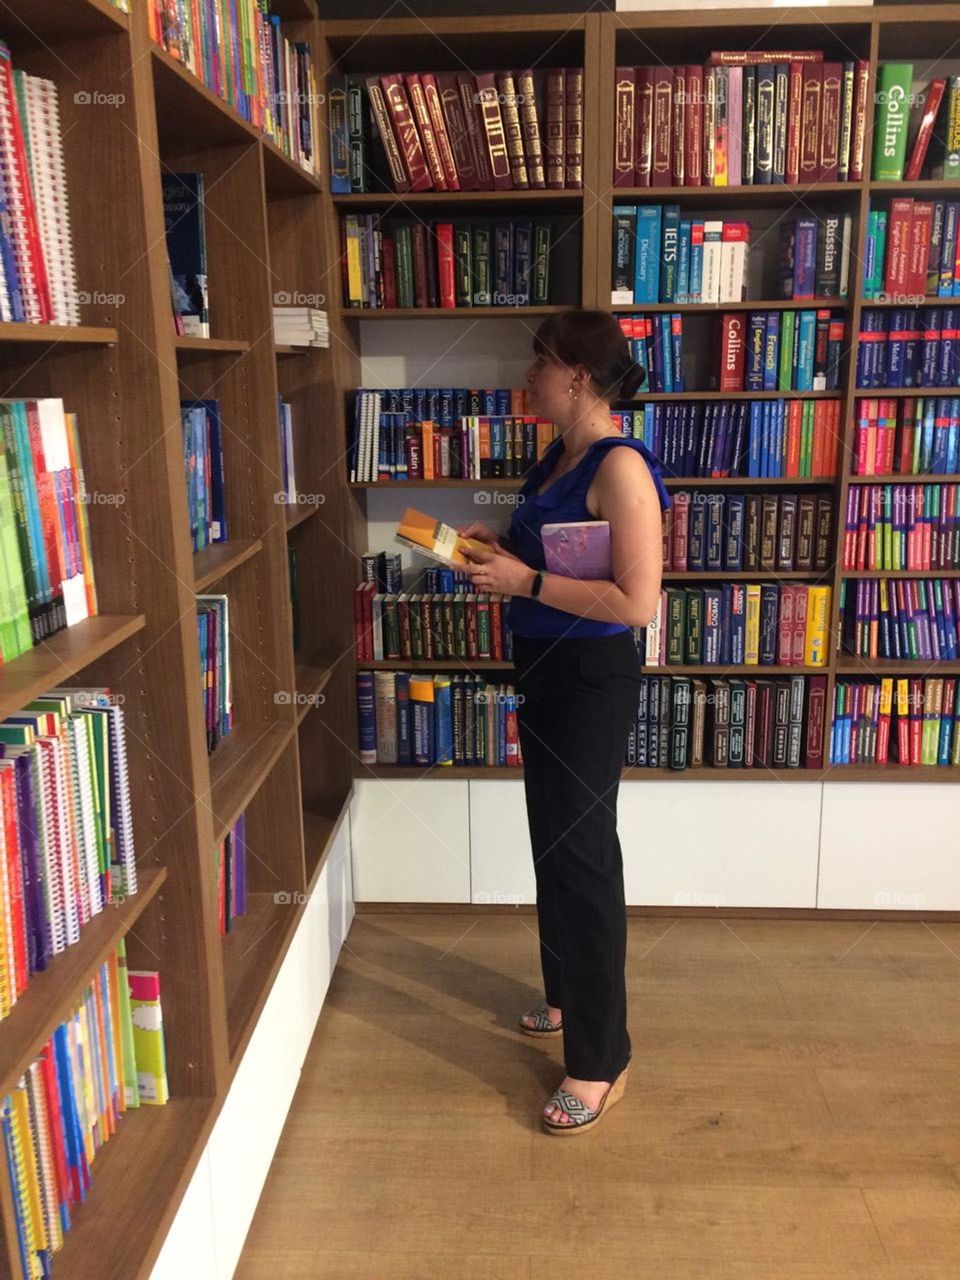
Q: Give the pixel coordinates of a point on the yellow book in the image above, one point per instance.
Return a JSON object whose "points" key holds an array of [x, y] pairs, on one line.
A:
{"points": [[751, 650], [354, 276], [426, 447], [435, 539], [148, 1035], [27, 1164], [817, 629]]}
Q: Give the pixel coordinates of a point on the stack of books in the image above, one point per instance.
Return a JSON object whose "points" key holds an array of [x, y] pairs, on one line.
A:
{"points": [[213, 637], [105, 1059], [37, 272], [905, 721], [203, 457], [744, 118], [46, 571], [455, 131], [300, 327]]}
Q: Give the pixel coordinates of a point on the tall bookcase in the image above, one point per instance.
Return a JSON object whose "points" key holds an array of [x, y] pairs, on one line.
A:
{"points": [[635, 38], [130, 112]]}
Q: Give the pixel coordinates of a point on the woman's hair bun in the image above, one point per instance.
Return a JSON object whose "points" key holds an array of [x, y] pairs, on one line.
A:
{"points": [[632, 380]]}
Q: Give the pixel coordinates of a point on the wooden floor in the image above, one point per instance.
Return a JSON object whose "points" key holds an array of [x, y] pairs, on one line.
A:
{"points": [[793, 1111]]}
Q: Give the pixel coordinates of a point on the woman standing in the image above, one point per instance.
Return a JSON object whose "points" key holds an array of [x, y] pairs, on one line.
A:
{"points": [[577, 680]]}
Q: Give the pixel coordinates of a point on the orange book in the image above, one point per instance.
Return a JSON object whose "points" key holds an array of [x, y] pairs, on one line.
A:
{"points": [[435, 539]]}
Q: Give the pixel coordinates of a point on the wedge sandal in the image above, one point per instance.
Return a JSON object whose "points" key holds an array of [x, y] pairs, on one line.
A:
{"points": [[542, 1026], [581, 1116]]}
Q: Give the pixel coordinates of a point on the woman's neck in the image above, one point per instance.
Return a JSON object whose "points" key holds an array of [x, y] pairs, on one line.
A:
{"points": [[580, 434]]}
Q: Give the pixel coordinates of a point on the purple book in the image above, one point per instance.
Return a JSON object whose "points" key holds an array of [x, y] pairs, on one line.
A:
{"points": [[579, 549]]}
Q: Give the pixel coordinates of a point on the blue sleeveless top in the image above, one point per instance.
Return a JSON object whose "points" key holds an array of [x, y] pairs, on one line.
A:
{"points": [[563, 502]]}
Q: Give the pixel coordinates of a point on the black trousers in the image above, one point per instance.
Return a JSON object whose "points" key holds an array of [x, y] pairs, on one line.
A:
{"points": [[577, 698]]}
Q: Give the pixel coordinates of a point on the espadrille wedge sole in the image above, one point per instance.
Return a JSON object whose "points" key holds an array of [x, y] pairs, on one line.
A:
{"points": [[581, 1116]]}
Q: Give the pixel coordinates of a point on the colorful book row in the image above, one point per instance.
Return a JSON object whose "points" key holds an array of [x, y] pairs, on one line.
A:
{"points": [[406, 717], [911, 251], [107, 1058], [909, 347], [910, 721], [780, 351], [902, 526], [744, 118], [46, 569], [907, 436], [752, 439], [738, 624], [455, 131], [459, 623], [389, 263], [915, 619], [66, 833], [237, 49], [213, 638]]}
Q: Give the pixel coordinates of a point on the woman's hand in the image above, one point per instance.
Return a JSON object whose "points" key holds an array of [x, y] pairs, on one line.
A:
{"points": [[482, 532], [499, 570]]}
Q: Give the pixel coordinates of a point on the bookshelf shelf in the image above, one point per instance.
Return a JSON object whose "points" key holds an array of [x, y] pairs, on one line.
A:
{"points": [[926, 301], [848, 665], [487, 664], [925, 186], [900, 573], [180, 95], [62, 656], [734, 395], [449, 313], [50, 996], [286, 350], [630, 773], [44, 20], [283, 175], [435, 664], [445, 482], [701, 197], [745, 304], [55, 335], [901, 477], [220, 558], [296, 515], [238, 768], [311, 678], [540, 197], [745, 575], [208, 345], [748, 482], [898, 393]]}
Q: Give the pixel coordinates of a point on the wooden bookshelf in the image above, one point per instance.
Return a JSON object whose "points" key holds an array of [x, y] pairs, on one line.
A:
{"points": [[124, 371], [273, 227]]}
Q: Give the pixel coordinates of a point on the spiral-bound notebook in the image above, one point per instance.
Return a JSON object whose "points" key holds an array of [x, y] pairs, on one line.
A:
{"points": [[579, 549]]}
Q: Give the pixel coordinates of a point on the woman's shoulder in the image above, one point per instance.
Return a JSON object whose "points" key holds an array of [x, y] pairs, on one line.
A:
{"points": [[636, 462]]}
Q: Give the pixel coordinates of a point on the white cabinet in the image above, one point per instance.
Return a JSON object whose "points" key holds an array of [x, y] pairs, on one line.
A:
{"points": [[501, 863]]}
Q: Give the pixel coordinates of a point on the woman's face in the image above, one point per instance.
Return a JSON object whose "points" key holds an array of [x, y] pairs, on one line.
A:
{"points": [[549, 383]]}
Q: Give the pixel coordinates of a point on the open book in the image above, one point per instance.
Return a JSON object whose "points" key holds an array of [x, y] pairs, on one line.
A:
{"points": [[435, 539], [579, 549]]}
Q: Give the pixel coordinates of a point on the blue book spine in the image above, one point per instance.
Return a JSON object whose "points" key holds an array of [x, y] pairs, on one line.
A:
{"points": [[726, 604], [805, 259], [939, 460], [952, 461], [771, 350], [779, 411], [662, 322], [696, 261], [670, 253], [682, 293], [502, 400], [366, 717], [733, 556], [896, 349], [765, 440], [929, 341], [656, 356], [769, 615], [755, 439], [807, 326], [646, 282], [649, 425], [755, 351], [404, 727], [948, 347], [442, 722], [948, 250], [911, 348]]}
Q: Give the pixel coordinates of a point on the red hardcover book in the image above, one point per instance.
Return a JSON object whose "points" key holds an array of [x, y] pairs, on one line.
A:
{"points": [[573, 127], [861, 105], [494, 135], [389, 272], [405, 131], [496, 635], [625, 115], [810, 122], [920, 233], [662, 113], [899, 229], [680, 532], [798, 651], [732, 351], [445, 264], [457, 131], [794, 112], [556, 128], [925, 133], [693, 128], [785, 619], [27, 245], [678, 111], [815, 721], [830, 97], [421, 275], [644, 154], [421, 118], [467, 85], [431, 93], [732, 58]]}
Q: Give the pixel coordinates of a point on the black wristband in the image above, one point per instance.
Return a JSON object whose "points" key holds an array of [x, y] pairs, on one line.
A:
{"points": [[537, 584]]}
